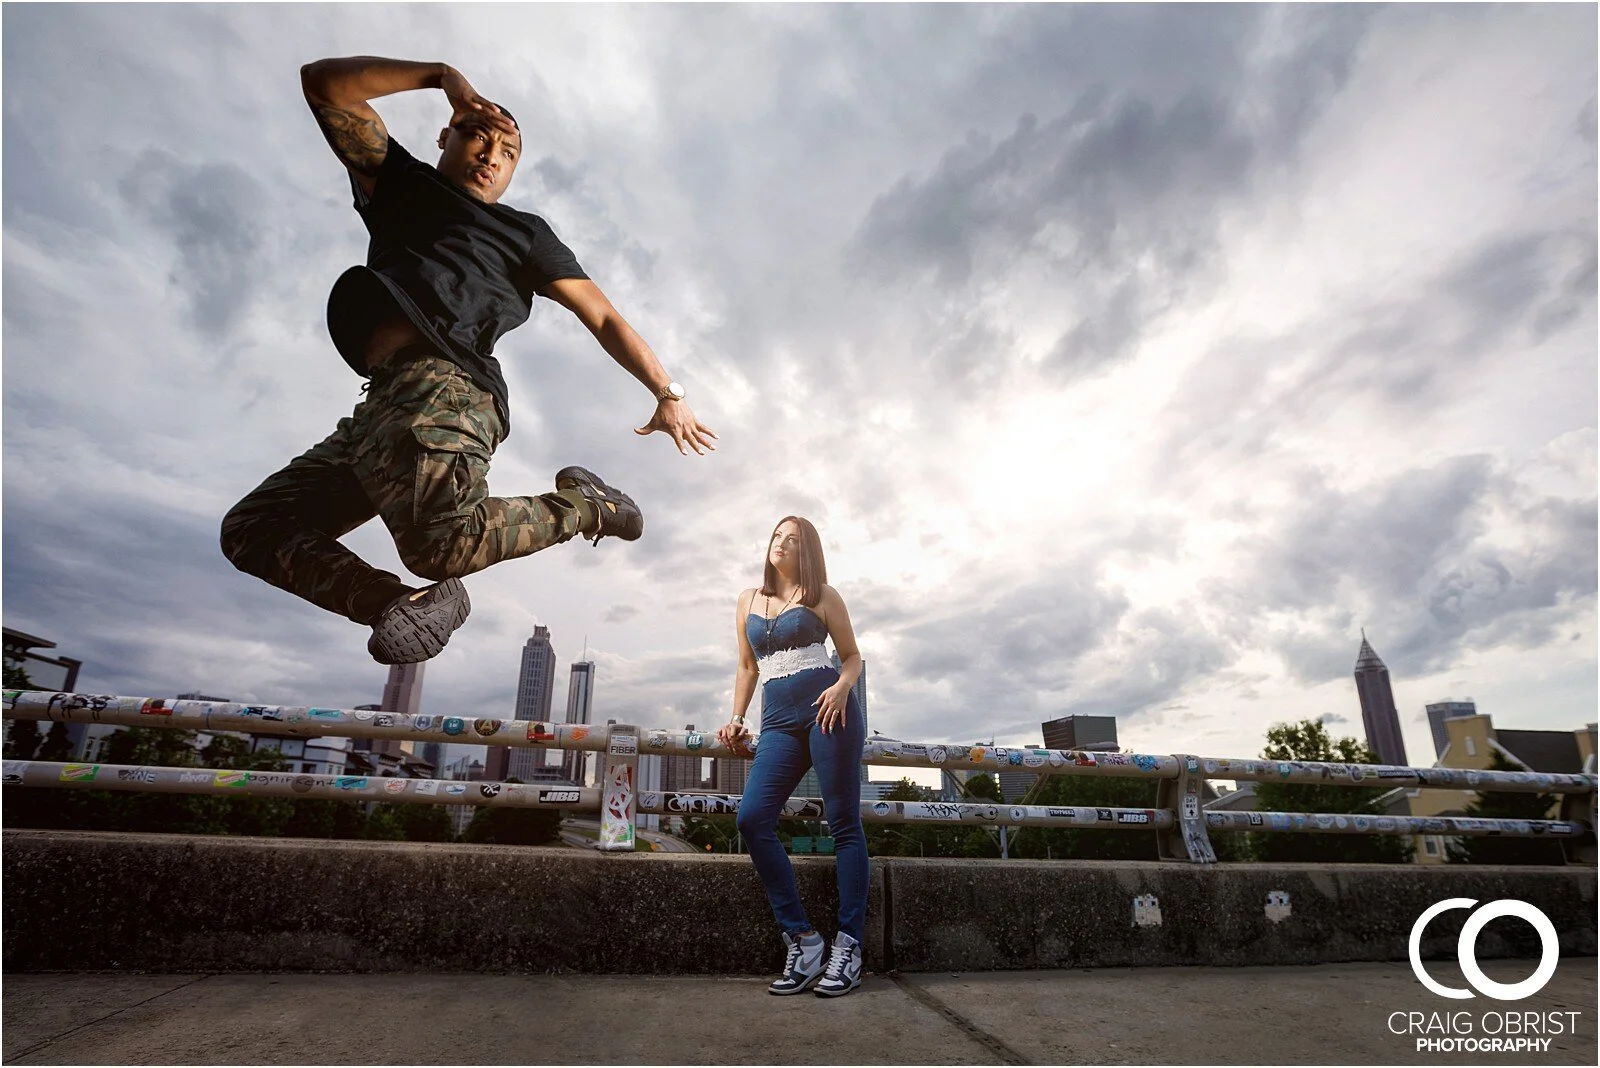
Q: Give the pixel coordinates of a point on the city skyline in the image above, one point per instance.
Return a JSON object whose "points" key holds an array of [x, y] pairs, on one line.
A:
{"points": [[536, 685], [1129, 358]]}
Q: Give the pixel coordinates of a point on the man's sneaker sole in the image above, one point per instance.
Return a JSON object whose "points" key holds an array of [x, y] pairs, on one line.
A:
{"points": [[416, 627]]}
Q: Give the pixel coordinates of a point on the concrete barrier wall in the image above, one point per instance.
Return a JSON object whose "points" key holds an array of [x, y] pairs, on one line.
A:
{"points": [[92, 901], [966, 916]]}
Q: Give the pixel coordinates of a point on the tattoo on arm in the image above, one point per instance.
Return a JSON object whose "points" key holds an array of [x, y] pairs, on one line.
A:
{"points": [[359, 141]]}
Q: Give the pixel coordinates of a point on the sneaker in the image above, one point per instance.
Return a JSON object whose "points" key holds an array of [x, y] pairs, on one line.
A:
{"points": [[803, 965], [843, 973], [416, 626], [619, 516]]}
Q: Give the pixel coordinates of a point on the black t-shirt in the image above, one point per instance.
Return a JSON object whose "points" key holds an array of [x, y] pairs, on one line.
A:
{"points": [[464, 272]]}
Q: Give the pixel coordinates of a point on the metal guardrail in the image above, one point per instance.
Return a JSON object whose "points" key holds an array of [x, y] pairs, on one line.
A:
{"points": [[1347, 823], [283, 784], [1177, 816]]}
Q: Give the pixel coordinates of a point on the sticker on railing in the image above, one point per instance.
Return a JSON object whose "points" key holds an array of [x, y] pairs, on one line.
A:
{"points": [[1277, 906], [1146, 911]]}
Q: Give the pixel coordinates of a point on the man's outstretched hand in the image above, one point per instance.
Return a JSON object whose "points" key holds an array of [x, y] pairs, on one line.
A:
{"points": [[465, 103], [675, 418]]}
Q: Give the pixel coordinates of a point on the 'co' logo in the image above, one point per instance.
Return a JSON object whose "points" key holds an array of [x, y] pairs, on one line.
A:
{"points": [[1467, 949]]}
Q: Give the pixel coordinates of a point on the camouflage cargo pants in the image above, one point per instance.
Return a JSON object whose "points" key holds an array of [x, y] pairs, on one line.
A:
{"points": [[415, 452]]}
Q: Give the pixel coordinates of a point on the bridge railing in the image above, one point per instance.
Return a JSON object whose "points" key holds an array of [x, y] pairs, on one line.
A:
{"points": [[1177, 817]]}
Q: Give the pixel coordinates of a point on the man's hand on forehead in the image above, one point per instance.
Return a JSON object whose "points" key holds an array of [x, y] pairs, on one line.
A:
{"points": [[473, 122], [468, 106]]}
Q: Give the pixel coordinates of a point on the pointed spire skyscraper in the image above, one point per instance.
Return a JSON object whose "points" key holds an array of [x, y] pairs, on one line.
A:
{"points": [[1378, 713]]}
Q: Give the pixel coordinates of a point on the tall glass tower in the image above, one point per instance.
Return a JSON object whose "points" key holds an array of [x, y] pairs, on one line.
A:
{"points": [[580, 702], [535, 689], [1378, 714]]}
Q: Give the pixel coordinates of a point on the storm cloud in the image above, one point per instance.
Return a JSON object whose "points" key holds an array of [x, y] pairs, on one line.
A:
{"points": [[1131, 359]]}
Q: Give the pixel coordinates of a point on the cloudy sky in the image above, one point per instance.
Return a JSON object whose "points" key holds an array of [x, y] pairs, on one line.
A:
{"points": [[1130, 359]]}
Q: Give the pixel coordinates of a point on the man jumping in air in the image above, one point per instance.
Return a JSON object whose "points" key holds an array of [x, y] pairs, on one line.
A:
{"points": [[449, 270]]}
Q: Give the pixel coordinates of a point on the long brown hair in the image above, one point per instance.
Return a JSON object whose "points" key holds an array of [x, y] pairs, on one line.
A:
{"points": [[813, 568]]}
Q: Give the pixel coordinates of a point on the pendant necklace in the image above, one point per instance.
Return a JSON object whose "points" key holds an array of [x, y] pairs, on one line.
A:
{"points": [[772, 621]]}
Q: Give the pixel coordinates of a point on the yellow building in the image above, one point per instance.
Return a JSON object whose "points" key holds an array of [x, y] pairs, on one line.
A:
{"points": [[1474, 741]]}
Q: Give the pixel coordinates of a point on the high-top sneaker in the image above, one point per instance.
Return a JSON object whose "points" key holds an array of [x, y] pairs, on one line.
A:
{"points": [[843, 973], [802, 966], [619, 516]]}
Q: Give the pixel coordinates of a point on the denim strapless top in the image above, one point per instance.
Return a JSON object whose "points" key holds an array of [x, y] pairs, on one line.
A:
{"points": [[793, 628]]}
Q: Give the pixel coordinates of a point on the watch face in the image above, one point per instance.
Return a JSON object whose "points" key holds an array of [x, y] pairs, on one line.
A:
{"points": [[674, 391]]}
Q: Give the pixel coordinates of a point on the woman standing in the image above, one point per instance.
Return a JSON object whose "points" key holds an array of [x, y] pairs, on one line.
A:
{"points": [[809, 718]]}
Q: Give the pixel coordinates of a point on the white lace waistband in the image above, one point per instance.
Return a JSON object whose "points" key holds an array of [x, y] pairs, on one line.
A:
{"points": [[791, 661]]}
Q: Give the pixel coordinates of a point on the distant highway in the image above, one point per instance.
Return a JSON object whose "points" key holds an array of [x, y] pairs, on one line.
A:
{"points": [[664, 843]]}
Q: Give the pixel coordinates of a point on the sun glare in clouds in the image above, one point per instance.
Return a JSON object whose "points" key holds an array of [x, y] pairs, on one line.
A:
{"points": [[1129, 359]]}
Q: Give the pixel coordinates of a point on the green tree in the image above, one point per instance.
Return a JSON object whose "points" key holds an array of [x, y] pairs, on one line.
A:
{"points": [[424, 823], [22, 735], [256, 816], [57, 746], [1506, 805], [22, 739], [78, 809], [150, 746], [16, 676], [926, 839], [720, 832], [383, 825], [514, 826], [1309, 741], [324, 818], [176, 812], [983, 787], [1092, 792]]}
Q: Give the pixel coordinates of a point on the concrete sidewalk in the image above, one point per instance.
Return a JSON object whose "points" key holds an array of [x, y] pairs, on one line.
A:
{"points": [[1326, 1014]]}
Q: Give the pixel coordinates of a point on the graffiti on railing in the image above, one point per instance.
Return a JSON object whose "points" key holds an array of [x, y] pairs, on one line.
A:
{"points": [[1333, 823], [1178, 815], [298, 721]]}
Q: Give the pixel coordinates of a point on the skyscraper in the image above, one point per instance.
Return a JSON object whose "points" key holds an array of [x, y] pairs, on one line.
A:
{"points": [[1440, 711], [648, 771], [535, 688], [1079, 732], [809, 785], [537, 684], [1378, 714], [497, 763], [681, 771], [1013, 784], [432, 753], [729, 774], [402, 692], [580, 702]]}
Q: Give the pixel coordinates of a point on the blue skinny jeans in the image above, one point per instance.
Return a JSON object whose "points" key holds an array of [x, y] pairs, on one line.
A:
{"points": [[782, 757]]}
